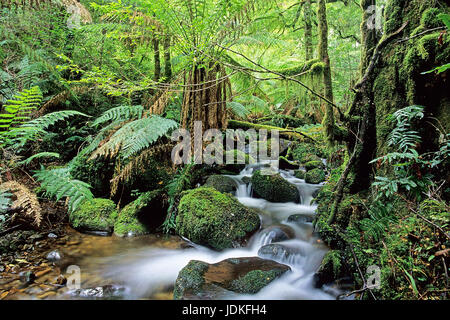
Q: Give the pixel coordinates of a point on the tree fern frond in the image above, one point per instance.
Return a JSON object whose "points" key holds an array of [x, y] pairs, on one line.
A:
{"points": [[50, 119], [25, 200], [135, 136], [59, 184], [121, 113]]}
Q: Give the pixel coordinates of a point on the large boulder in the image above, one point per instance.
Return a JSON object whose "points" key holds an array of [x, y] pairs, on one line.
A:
{"points": [[274, 188], [214, 219], [315, 176], [221, 183], [94, 215], [131, 220], [200, 280]]}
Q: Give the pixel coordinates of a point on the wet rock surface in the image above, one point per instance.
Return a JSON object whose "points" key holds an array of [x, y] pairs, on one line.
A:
{"points": [[200, 280]]}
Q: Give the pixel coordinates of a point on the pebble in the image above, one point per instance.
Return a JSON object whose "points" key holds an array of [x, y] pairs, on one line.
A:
{"points": [[52, 236], [54, 256]]}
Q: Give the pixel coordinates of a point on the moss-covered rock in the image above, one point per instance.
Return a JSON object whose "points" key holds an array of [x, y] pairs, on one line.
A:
{"points": [[94, 215], [300, 174], [306, 152], [330, 269], [221, 183], [274, 188], [199, 280], [130, 221], [315, 176], [214, 219], [313, 165]]}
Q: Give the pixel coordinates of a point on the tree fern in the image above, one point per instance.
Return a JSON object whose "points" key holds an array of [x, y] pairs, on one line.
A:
{"points": [[59, 184], [5, 200]]}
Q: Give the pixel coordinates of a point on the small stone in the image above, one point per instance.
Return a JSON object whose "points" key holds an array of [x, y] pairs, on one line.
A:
{"points": [[27, 277], [53, 256], [52, 236], [61, 280]]}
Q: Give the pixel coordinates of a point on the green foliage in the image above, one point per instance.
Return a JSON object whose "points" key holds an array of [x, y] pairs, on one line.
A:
{"points": [[121, 113], [94, 215], [59, 184], [381, 215], [181, 181], [405, 140], [136, 136], [5, 201]]}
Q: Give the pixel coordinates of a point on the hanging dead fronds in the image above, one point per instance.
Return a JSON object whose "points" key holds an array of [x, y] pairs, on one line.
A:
{"points": [[26, 201]]}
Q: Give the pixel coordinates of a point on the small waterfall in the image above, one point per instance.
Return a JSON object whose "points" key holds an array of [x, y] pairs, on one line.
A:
{"points": [[146, 271]]}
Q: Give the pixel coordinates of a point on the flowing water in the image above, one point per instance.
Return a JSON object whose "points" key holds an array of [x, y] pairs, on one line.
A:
{"points": [[150, 271]]}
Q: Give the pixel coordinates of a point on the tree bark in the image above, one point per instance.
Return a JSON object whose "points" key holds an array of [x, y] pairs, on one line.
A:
{"points": [[308, 30], [167, 59], [324, 57], [157, 58]]}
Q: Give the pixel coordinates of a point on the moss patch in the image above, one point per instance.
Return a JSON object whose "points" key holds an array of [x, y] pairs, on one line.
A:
{"points": [[315, 176], [129, 221], [274, 188], [94, 215], [214, 219], [221, 183]]}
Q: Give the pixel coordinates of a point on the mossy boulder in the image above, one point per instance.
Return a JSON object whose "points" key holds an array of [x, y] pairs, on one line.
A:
{"points": [[274, 188], [315, 176], [131, 220], [94, 215], [214, 219], [306, 152], [314, 164], [299, 174], [330, 269], [221, 183], [200, 280]]}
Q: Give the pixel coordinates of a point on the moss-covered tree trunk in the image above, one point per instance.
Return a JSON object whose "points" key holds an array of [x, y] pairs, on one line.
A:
{"points": [[157, 59], [307, 12], [324, 57], [369, 33], [167, 59]]}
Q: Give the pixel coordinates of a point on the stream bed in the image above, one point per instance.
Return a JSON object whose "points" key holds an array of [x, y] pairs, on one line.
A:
{"points": [[146, 267]]}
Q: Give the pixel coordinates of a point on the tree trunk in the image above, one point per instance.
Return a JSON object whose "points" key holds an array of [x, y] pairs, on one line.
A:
{"points": [[205, 97], [157, 58], [369, 37], [308, 30], [167, 58], [328, 121]]}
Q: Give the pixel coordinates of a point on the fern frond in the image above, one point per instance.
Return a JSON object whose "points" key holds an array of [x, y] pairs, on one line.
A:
{"points": [[25, 200], [39, 156], [19, 109], [50, 119], [5, 200], [135, 136], [121, 113], [59, 184]]}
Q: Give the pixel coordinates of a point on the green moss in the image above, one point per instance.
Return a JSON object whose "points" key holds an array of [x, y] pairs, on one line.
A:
{"points": [[315, 176], [314, 164], [128, 222], [274, 188], [300, 68], [254, 281], [430, 20], [306, 152], [94, 215], [221, 183], [217, 220], [300, 174], [190, 278]]}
